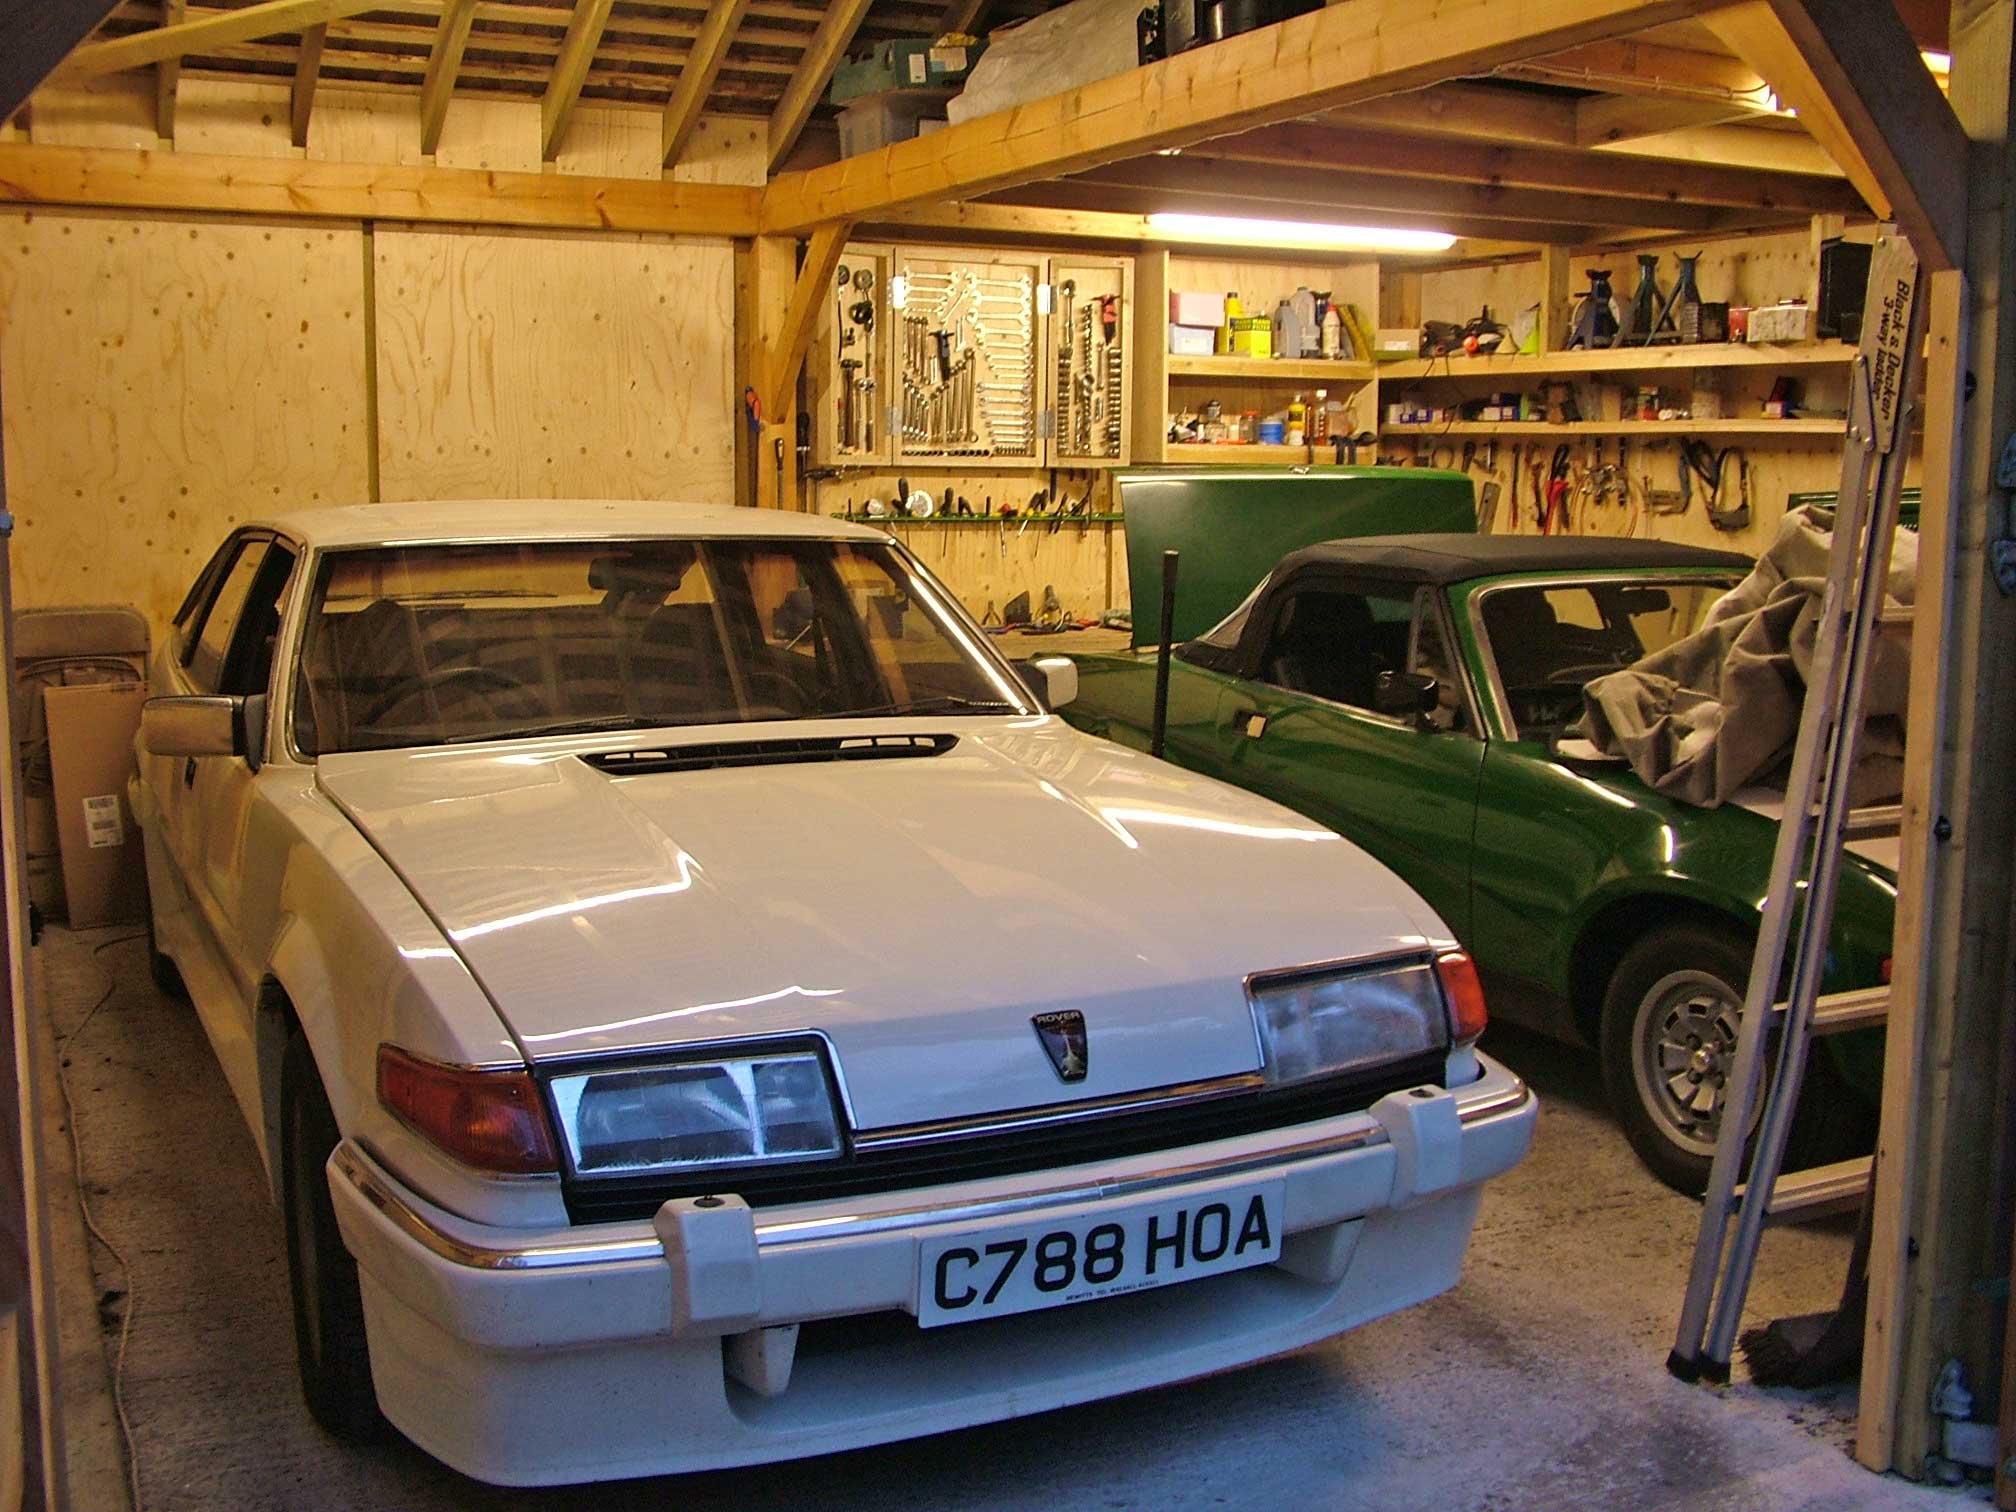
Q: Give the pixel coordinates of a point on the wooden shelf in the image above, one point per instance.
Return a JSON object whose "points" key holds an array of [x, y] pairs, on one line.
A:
{"points": [[1733, 354], [1285, 369], [1723, 427], [1259, 456]]}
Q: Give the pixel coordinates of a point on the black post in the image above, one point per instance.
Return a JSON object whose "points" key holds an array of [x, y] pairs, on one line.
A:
{"points": [[1161, 730]]}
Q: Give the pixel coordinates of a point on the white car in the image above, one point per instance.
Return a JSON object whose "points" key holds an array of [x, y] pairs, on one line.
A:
{"points": [[697, 1007]]}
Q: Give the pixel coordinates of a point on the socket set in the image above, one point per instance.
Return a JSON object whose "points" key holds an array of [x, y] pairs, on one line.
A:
{"points": [[1091, 366]]}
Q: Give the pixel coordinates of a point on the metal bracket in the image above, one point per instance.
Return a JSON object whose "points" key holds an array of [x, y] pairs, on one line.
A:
{"points": [[2002, 553]]}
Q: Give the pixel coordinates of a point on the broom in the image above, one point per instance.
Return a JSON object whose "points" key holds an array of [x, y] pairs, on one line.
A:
{"points": [[1817, 1349]]}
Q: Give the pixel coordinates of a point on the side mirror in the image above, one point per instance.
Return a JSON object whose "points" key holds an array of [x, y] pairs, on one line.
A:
{"points": [[203, 725], [1406, 695], [1053, 679]]}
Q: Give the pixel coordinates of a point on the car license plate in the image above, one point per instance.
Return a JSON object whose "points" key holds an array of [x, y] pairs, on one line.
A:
{"points": [[1021, 1265]]}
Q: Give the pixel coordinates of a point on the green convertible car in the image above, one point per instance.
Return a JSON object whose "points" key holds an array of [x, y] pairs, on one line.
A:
{"points": [[1411, 692]]}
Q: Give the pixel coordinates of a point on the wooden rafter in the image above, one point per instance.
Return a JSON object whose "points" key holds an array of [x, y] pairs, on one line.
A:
{"points": [[167, 74], [1731, 147], [444, 62], [218, 29], [570, 72], [308, 188], [1604, 119], [1624, 65], [1320, 61], [809, 296], [1427, 159], [307, 74], [815, 70], [963, 16], [696, 79], [1850, 70], [1484, 112]]}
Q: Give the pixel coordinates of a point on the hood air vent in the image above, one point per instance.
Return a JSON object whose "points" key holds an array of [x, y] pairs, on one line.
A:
{"points": [[746, 753]]}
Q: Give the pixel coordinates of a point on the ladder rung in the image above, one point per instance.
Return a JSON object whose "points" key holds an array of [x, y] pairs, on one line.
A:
{"points": [[1878, 819], [1839, 1012], [1897, 620], [1800, 1195]]}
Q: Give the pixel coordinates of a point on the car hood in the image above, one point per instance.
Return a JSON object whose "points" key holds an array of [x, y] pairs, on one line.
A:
{"points": [[915, 912]]}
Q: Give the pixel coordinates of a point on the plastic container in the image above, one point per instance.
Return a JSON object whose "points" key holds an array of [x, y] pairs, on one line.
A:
{"points": [[1273, 433]]}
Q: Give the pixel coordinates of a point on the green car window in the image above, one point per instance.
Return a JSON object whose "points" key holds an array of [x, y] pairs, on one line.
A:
{"points": [[1333, 643]]}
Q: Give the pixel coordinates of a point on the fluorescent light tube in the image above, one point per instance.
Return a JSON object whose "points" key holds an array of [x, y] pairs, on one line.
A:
{"points": [[1288, 233]]}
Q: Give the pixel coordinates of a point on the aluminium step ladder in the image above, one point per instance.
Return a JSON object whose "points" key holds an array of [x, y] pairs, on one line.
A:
{"points": [[1812, 832]]}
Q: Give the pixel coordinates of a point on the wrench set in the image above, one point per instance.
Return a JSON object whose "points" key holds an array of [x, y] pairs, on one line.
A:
{"points": [[961, 351]]}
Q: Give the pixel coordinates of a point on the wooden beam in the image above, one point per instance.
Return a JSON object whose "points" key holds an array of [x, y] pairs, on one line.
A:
{"points": [[810, 293], [815, 71], [1732, 147], [367, 191], [570, 72], [1513, 167], [1624, 65], [307, 74], [1485, 112], [773, 449], [167, 74], [1555, 300], [444, 62], [1850, 70], [1312, 191], [35, 38], [1602, 120], [267, 19], [696, 79], [1326, 59], [963, 16]]}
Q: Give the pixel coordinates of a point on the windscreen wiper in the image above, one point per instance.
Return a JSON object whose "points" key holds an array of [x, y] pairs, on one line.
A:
{"points": [[941, 703]]}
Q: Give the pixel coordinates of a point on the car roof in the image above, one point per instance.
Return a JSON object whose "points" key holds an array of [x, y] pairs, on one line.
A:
{"points": [[417, 522], [1445, 559]]}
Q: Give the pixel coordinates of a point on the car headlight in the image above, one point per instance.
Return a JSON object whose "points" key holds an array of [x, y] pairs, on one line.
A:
{"points": [[742, 1110], [1337, 1019]]}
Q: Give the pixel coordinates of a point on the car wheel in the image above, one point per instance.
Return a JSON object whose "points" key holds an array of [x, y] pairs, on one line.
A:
{"points": [[329, 1345], [167, 975], [1670, 1020]]}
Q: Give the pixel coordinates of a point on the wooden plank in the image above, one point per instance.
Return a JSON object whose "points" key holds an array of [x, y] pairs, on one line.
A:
{"points": [[696, 78], [1732, 146], [1479, 111], [809, 295], [444, 62], [1149, 331], [1553, 362], [773, 448], [206, 34], [570, 72], [307, 74], [167, 74], [1627, 65], [1605, 120], [35, 38], [1388, 153], [368, 191], [1844, 67], [815, 71], [1321, 61], [1556, 303]]}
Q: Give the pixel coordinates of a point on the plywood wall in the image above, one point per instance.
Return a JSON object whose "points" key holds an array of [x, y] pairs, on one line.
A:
{"points": [[543, 366], [161, 380]]}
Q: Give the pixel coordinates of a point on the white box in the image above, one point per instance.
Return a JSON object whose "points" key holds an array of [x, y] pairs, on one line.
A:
{"points": [[1192, 341], [1781, 322], [1196, 309]]}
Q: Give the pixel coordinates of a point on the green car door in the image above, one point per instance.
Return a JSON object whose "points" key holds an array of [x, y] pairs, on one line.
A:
{"points": [[1307, 730]]}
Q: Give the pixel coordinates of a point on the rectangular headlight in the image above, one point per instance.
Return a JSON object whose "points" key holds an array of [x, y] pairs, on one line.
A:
{"points": [[695, 1114], [1321, 1023]]}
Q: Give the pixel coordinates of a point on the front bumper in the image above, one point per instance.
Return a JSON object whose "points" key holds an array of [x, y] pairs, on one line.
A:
{"points": [[730, 1337]]}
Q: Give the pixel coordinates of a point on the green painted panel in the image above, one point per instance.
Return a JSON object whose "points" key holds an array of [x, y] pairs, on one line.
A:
{"points": [[1232, 524]]}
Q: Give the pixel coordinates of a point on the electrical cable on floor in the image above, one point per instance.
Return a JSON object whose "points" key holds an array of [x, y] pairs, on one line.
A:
{"points": [[91, 1224]]}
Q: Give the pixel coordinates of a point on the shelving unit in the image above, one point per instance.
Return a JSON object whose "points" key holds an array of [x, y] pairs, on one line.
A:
{"points": [[1725, 427], [1274, 369], [1624, 360], [1255, 456]]}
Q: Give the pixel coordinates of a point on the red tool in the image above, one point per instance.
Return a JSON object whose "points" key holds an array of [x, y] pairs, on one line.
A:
{"points": [[1553, 510]]}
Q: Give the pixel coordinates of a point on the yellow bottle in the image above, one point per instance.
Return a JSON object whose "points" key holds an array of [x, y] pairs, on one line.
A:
{"points": [[1298, 418]]}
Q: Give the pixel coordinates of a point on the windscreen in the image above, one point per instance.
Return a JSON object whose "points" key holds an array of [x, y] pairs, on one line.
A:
{"points": [[437, 644]]}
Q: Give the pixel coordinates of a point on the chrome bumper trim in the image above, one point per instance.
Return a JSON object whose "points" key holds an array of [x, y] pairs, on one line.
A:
{"points": [[363, 1175]]}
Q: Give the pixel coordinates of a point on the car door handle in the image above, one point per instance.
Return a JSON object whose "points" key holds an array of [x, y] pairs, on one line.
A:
{"points": [[1250, 722], [189, 771]]}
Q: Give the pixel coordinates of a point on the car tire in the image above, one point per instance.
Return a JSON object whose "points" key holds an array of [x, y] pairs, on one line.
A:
{"points": [[329, 1343], [1682, 988], [162, 968]]}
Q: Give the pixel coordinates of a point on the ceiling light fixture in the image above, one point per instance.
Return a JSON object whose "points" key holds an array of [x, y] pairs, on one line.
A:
{"points": [[1940, 63], [1240, 231]]}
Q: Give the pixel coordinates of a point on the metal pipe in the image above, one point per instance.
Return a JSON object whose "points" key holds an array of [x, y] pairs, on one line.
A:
{"points": [[1161, 727]]}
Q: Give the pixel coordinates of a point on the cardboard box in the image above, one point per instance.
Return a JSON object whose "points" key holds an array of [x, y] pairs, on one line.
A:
{"points": [[1192, 341], [1193, 309], [91, 732]]}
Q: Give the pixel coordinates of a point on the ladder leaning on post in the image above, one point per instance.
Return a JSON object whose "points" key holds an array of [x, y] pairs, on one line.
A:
{"points": [[1815, 825]]}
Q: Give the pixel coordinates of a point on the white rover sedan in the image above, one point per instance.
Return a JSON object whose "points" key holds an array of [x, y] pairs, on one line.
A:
{"points": [[698, 1006]]}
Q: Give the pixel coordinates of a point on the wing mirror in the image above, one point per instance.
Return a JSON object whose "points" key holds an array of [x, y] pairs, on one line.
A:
{"points": [[1053, 679], [204, 725], [1406, 695]]}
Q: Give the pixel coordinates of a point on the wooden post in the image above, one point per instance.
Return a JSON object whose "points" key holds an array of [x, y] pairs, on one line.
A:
{"points": [[1934, 1228], [774, 271], [1555, 303]]}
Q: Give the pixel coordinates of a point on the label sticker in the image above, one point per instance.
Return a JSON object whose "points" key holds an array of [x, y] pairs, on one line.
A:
{"points": [[103, 828], [915, 63]]}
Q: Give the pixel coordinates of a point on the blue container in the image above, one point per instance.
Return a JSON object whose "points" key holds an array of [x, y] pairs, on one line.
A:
{"points": [[1273, 433]]}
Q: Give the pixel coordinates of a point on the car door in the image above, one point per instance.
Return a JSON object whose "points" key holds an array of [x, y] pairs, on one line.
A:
{"points": [[1304, 731]]}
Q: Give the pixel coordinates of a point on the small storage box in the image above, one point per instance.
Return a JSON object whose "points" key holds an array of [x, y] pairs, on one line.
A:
{"points": [[903, 63], [1192, 341], [1206, 310], [1781, 322], [1252, 336]]}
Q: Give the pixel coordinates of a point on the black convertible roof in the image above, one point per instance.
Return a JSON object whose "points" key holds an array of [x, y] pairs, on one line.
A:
{"points": [[1445, 559]]}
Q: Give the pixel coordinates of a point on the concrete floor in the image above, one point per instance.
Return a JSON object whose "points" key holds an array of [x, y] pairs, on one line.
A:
{"points": [[1537, 1383]]}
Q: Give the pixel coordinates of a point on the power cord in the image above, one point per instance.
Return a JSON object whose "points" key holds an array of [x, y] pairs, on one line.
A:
{"points": [[90, 1221]]}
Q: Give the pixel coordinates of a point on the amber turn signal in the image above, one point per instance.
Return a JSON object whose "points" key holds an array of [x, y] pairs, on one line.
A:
{"points": [[488, 1119], [1467, 1017]]}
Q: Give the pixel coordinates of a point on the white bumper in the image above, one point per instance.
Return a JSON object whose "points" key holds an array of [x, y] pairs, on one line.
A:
{"points": [[601, 1352]]}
